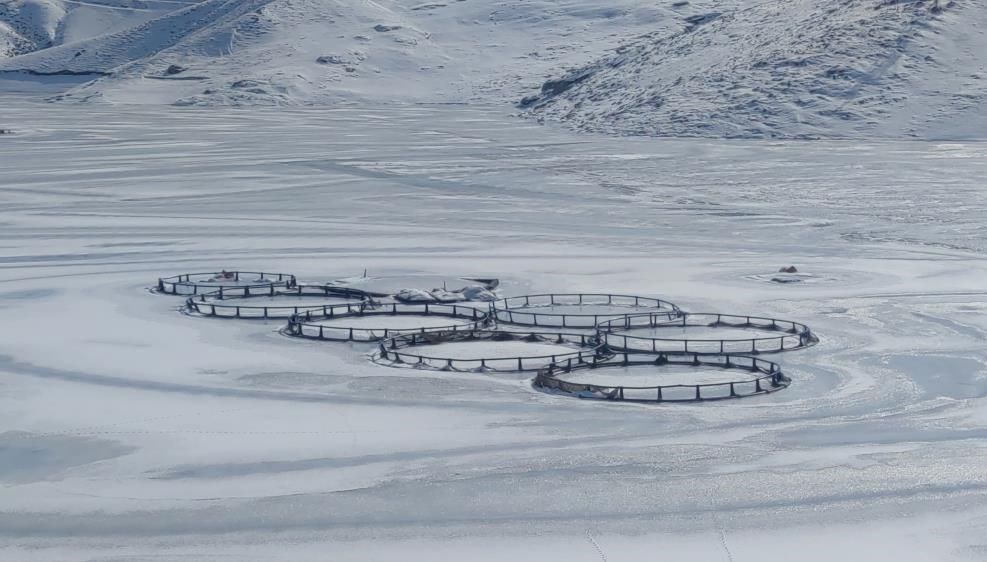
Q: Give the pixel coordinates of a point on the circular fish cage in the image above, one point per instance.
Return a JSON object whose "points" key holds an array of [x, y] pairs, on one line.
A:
{"points": [[733, 376], [274, 302], [487, 350], [576, 310], [370, 323], [649, 333], [242, 281]]}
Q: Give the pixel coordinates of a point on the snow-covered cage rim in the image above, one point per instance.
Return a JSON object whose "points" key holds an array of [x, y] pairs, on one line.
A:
{"points": [[235, 303], [397, 351], [302, 325], [188, 284], [770, 378], [523, 310], [793, 335]]}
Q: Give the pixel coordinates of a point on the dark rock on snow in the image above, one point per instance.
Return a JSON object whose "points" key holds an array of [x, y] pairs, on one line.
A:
{"points": [[555, 87], [331, 59], [527, 101]]}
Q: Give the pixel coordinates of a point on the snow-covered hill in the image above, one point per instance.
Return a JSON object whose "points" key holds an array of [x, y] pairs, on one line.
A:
{"points": [[735, 68], [790, 68], [29, 25], [323, 51]]}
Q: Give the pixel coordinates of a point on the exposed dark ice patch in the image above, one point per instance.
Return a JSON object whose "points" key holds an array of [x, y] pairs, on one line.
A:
{"points": [[27, 457]]}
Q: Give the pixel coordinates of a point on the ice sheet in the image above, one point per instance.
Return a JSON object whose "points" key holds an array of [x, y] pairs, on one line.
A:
{"points": [[142, 432]]}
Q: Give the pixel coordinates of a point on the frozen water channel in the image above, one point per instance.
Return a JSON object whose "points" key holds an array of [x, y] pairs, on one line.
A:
{"points": [[129, 430]]}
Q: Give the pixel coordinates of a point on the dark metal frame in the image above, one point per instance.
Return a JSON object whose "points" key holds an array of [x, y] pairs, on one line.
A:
{"points": [[770, 378], [523, 310], [235, 303], [794, 334], [302, 325], [397, 351], [184, 284]]}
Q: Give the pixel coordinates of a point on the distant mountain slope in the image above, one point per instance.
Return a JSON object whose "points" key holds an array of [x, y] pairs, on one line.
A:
{"points": [[723, 68], [106, 53], [324, 51], [786, 68], [28, 25]]}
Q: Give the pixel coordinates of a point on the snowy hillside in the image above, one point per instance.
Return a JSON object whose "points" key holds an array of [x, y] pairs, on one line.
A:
{"points": [[792, 68], [28, 26], [734, 68], [323, 51]]}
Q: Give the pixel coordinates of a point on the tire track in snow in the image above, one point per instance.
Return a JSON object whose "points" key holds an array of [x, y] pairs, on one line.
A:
{"points": [[596, 545]]}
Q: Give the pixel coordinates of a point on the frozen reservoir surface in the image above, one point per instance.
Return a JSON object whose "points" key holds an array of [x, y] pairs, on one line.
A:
{"points": [[130, 431]]}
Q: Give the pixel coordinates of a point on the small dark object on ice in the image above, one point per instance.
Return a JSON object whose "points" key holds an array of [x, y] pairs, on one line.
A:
{"points": [[789, 269], [174, 69], [6, 132], [381, 28]]}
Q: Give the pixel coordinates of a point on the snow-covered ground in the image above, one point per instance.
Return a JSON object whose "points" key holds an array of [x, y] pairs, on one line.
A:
{"points": [[129, 431]]}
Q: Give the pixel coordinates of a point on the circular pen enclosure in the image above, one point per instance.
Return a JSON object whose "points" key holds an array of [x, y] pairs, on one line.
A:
{"points": [[374, 323], [487, 350], [576, 310]]}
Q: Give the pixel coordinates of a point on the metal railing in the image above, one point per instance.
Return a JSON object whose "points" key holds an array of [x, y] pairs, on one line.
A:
{"points": [[234, 302], [792, 335], [767, 377], [197, 283], [523, 310], [407, 350], [305, 324]]}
